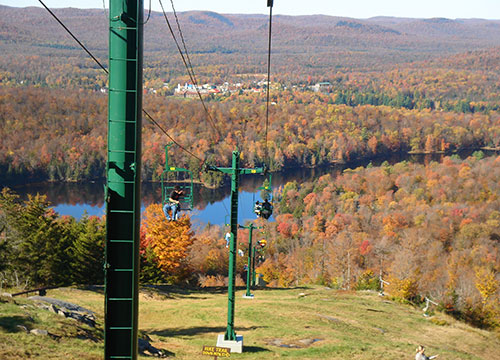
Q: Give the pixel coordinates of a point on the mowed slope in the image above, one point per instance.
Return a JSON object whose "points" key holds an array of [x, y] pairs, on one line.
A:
{"points": [[301, 323]]}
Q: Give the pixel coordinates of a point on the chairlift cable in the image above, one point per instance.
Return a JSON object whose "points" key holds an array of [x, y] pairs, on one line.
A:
{"points": [[184, 43], [265, 209], [73, 36], [152, 120], [170, 137], [104, 8], [270, 5], [209, 117], [149, 14], [225, 207]]}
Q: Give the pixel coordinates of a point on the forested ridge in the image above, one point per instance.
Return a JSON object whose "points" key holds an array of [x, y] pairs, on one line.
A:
{"points": [[396, 85], [319, 48], [59, 136], [302, 45]]}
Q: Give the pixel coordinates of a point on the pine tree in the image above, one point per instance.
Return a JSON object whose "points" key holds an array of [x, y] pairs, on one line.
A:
{"points": [[88, 251], [40, 245]]}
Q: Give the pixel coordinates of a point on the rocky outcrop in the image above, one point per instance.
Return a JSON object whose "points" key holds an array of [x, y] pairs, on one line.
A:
{"points": [[66, 309]]}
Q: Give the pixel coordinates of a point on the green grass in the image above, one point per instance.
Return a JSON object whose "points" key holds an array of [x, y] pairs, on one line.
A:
{"points": [[344, 325], [68, 339]]}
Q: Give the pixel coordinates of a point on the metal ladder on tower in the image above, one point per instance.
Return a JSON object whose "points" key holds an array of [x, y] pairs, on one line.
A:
{"points": [[123, 179]]}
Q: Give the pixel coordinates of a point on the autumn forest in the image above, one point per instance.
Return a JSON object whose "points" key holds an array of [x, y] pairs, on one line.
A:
{"points": [[403, 86]]}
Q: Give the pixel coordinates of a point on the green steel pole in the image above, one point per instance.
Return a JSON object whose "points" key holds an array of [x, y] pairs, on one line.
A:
{"points": [[123, 179], [164, 192], [235, 179], [253, 267], [251, 258], [249, 265], [166, 154]]}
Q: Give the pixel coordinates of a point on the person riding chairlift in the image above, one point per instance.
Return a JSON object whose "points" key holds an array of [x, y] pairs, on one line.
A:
{"points": [[173, 203], [257, 208], [267, 209]]}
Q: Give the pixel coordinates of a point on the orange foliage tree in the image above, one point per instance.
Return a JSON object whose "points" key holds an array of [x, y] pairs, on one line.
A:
{"points": [[169, 240]]}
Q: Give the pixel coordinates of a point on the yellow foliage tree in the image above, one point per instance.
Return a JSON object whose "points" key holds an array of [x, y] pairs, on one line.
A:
{"points": [[404, 289], [486, 283]]}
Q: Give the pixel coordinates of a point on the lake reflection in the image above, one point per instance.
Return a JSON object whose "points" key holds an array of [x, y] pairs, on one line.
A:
{"points": [[211, 205]]}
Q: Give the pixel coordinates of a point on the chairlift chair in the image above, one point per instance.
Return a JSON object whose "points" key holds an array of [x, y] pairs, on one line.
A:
{"points": [[264, 209], [174, 176]]}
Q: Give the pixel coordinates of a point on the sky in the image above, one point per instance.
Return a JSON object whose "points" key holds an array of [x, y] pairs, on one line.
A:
{"points": [[452, 9]]}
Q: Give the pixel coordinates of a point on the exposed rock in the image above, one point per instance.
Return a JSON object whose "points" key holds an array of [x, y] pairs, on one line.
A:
{"points": [[39, 332], [293, 344], [62, 304], [67, 310], [329, 318], [374, 310], [23, 328], [145, 346], [306, 342], [276, 342]]}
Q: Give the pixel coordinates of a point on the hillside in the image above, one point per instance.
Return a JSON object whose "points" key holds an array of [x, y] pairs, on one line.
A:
{"points": [[306, 129], [302, 323], [223, 45]]}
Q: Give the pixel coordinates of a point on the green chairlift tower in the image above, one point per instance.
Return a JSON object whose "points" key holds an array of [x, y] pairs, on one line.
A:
{"points": [[123, 172], [251, 259], [229, 339]]}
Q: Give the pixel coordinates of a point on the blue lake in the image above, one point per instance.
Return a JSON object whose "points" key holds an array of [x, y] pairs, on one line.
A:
{"points": [[211, 205], [213, 213]]}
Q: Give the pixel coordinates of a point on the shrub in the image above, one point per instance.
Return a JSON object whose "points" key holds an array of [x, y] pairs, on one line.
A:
{"points": [[403, 289], [367, 281]]}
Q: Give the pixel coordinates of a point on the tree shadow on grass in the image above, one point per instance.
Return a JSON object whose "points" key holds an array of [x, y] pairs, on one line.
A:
{"points": [[254, 349], [192, 331], [189, 290], [260, 288], [173, 291], [13, 323], [169, 291]]}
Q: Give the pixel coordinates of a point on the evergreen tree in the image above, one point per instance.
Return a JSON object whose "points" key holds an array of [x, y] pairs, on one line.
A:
{"points": [[150, 271], [40, 246], [88, 251]]}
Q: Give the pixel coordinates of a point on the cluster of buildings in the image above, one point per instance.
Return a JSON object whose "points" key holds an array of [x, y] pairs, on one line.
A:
{"points": [[190, 90]]}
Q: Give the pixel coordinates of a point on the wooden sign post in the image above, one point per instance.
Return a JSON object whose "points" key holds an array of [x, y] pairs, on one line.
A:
{"points": [[216, 351]]}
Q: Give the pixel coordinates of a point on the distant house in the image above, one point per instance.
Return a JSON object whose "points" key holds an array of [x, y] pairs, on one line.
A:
{"points": [[322, 86]]}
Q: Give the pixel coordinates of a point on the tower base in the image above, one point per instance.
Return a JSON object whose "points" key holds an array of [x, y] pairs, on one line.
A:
{"points": [[236, 346]]}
